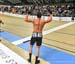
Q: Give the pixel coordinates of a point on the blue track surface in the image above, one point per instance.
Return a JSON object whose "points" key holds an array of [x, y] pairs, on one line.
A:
{"points": [[9, 37], [51, 55]]}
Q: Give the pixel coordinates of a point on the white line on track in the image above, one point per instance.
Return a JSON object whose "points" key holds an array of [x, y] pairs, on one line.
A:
{"points": [[7, 56], [44, 33]]}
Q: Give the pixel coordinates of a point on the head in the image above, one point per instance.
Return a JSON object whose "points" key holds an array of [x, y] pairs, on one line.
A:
{"points": [[39, 14]]}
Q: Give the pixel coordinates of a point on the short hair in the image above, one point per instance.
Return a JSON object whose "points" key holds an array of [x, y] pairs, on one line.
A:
{"points": [[39, 14]]}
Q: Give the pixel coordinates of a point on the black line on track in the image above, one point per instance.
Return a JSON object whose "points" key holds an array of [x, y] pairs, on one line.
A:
{"points": [[59, 41], [65, 33], [59, 47]]}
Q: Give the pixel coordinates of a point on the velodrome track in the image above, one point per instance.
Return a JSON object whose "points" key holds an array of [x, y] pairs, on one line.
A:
{"points": [[58, 46]]}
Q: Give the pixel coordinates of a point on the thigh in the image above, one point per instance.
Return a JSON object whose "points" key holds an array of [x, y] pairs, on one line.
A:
{"points": [[39, 41], [32, 41]]}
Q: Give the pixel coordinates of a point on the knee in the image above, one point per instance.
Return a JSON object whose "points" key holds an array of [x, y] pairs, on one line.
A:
{"points": [[38, 46]]}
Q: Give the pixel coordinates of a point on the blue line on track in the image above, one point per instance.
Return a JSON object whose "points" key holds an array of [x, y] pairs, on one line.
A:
{"points": [[8, 36], [51, 55]]}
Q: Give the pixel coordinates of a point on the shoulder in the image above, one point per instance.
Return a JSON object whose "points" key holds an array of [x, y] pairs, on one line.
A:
{"points": [[35, 19], [43, 21]]}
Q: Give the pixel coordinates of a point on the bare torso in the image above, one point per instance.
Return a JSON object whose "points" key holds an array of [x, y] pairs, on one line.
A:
{"points": [[38, 25]]}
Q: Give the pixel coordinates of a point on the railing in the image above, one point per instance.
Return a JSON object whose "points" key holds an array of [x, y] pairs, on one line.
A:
{"points": [[43, 17]]}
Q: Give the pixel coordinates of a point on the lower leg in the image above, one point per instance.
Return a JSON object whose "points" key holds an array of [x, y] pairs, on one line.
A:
{"points": [[30, 53], [30, 49], [37, 55]]}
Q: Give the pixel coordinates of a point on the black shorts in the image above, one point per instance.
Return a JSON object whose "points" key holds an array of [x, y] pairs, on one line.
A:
{"points": [[38, 41]]}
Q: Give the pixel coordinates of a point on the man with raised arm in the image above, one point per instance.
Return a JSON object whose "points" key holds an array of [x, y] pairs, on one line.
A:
{"points": [[38, 25]]}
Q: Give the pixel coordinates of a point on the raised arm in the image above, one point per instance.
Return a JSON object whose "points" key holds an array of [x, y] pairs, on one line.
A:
{"points": [[27, 19], [49, 19]]}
